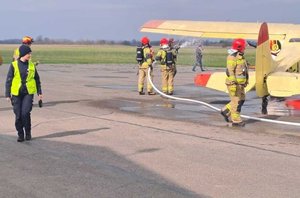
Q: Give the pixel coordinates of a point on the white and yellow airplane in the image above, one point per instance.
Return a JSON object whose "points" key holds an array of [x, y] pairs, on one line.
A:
{"points": [[277, 64]]}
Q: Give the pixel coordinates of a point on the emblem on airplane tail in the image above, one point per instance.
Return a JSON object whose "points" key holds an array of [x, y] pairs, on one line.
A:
{"points": [[275, 47]]}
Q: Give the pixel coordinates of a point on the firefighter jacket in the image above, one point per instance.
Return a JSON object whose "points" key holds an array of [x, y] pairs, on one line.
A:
{"points": [[237, 70], [148, 57], [162, 57]]}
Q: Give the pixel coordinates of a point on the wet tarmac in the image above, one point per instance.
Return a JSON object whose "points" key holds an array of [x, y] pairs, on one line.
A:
{"points": [[96, 137]]}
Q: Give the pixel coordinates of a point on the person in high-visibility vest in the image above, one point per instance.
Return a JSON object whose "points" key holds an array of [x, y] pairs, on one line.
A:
{"points": [[22, 83], [236, 81]]}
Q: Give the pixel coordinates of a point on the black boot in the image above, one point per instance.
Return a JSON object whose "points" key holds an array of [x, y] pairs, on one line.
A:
{"points": [[20, 139], [225, 114], [238, 124], [28, 136], [20, 135], [264, 105]]}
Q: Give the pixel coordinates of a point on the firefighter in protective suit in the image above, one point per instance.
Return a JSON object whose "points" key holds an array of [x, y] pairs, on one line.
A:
{"points": [[166, 57], [147, 61], [236, 81], [175, 49]]}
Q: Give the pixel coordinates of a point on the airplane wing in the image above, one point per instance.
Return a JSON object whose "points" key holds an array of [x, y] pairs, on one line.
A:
{"points": [[283, 84], [288, 56], [209, 29], [216, 81]]}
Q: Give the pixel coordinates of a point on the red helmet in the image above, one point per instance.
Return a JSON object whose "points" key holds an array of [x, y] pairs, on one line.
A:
{"points": [[145, 40], [239, 45], [27, 40], [164, 41]]}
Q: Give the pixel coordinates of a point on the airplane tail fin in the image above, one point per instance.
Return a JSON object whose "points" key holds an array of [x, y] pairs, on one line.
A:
{"points": [[264, 63]]}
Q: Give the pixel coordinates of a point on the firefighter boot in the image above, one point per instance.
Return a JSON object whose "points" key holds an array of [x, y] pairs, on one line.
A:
{"points": [[141, 92], [151, 93], [238, 124], [225, 114], [264, 105]]}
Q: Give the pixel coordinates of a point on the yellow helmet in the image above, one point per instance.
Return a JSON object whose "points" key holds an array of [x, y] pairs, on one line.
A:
{"points": [[27, 40]]}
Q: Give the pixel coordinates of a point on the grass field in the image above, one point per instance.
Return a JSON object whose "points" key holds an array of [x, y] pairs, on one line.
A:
{"points": [[113, 54]]}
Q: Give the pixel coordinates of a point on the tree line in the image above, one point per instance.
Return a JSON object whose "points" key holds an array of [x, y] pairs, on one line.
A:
{"points": [[133, 42]]}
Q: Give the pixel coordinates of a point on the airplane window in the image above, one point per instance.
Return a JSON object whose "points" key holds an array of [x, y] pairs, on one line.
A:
{"points": [[296, 40]]}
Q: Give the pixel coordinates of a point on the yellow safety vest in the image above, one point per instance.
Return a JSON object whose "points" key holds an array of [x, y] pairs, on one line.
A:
{"points": [[17, 81]]}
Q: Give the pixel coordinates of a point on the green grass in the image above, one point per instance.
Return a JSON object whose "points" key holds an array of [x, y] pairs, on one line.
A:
{"points": [[113, 54]]}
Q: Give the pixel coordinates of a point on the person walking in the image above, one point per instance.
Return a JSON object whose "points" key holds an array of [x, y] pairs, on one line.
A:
{"points": [[198, 57], [166, 57], [145, 61], [22, 83], [236, 81]]}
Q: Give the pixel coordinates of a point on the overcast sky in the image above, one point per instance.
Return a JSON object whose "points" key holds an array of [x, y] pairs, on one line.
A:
{"points": [[122, 19]]}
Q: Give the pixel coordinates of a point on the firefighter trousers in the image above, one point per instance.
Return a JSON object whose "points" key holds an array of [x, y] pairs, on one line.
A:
{"points": [[237, 99], [167, 77], [143, 73]]}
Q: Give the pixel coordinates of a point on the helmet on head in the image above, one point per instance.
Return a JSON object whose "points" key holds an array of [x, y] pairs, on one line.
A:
{"points": [[164, 43], [145, 40], [27, 40], [239, 45], [171, 40]]}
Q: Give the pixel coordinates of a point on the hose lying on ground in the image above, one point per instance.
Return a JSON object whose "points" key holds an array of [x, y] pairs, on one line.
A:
{"points": [[217, 109]]}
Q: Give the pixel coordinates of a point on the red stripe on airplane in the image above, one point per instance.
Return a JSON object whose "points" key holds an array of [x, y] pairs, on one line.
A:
{"points": [[202, 79], [263, 34], [153, 23], [293, 104]]}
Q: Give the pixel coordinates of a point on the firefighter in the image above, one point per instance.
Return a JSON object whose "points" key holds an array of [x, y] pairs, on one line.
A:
{"points": [[166, 57], [175, 49], [146, 62], [236, 81], [22, 83]]}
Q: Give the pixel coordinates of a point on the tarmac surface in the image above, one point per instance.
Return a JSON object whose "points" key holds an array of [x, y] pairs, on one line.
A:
{"points": [[96, 137]]}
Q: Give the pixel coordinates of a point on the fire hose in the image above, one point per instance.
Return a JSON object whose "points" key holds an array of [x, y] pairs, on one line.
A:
{"points": [[217, 109]]}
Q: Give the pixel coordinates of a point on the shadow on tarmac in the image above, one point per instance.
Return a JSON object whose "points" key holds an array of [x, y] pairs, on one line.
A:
{"points": [[64, 169], [71, 133]]}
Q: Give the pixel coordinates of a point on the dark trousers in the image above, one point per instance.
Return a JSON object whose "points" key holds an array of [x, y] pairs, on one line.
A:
{"points": [[22, 108]]}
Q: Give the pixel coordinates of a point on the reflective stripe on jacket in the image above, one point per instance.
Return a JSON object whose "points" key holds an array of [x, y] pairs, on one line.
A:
{"points": [[237, 70]]}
